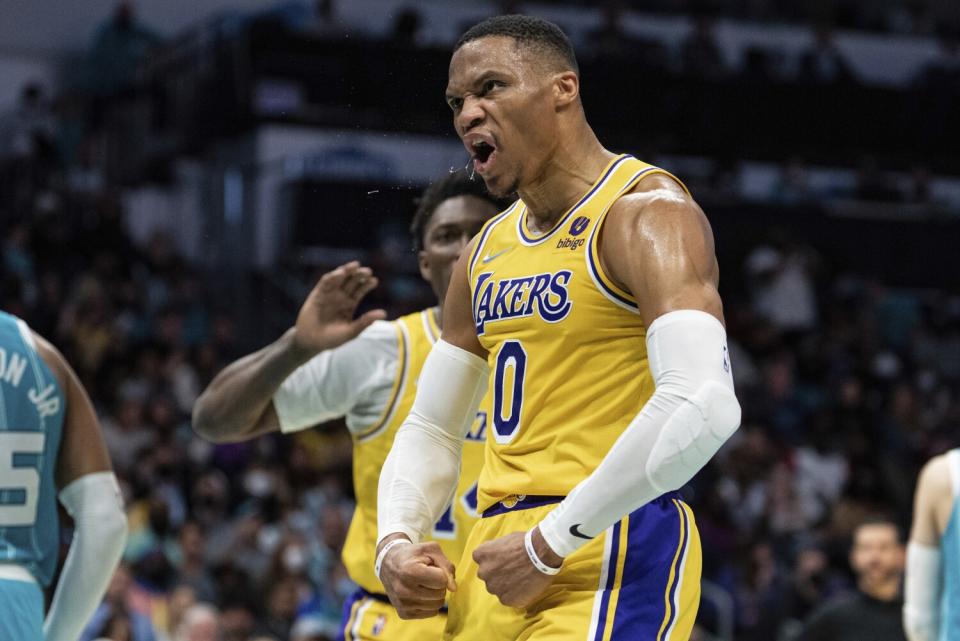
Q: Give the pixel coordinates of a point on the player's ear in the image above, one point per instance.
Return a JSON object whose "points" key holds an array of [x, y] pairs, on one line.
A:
{"points": [[566, 88]]}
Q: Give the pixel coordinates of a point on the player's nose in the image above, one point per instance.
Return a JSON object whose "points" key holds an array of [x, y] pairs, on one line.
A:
{"points": [[471, 114]]}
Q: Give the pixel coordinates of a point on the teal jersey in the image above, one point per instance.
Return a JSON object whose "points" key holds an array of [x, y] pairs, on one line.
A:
{"points": [[31, 424], [950, 550]]}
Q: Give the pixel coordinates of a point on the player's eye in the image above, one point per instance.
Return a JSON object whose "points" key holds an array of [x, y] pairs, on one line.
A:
{"points": [[455, 103], [489, 86], [446, 236]]}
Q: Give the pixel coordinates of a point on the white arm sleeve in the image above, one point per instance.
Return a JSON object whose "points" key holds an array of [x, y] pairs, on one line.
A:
{"points": [[354, 380], [921, 593], [100, 531], [421, 472], [690, 415]]}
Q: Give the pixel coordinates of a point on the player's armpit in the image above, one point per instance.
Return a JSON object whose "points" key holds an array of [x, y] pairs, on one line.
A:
{"points": [[659, 246]]}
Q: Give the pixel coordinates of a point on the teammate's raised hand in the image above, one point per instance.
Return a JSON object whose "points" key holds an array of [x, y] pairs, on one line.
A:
{"points": [[326, 319], [416, 578]]}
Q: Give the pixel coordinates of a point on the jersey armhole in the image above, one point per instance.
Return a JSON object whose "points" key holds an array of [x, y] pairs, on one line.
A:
{"points": [[482, 239], [600, 278], [26, 334], [399, 382]]}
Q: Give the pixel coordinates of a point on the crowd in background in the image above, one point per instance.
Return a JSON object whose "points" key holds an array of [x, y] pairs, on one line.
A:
{"points": [[699, 54], [847, 386], [892, 16]]}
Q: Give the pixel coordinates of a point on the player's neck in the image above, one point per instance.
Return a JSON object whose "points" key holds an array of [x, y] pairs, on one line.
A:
{"points": [[566, 177]]}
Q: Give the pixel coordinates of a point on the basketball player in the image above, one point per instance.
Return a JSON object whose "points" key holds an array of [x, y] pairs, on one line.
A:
{"points": [[591, 305], [330, 365], [50, 440], [931, 610]]}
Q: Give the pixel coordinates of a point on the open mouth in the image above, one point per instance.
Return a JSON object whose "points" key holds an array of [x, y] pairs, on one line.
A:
{"points": [[483, 153]]}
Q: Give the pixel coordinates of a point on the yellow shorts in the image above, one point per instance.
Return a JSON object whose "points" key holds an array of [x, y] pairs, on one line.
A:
{"points": [[370, 617], [639, 581]]}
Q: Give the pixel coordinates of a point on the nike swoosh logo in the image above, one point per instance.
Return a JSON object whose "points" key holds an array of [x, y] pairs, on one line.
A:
{"points": [[489, 257], [575, 530]]}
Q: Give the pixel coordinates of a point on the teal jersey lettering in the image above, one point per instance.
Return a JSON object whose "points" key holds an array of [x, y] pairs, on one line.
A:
{"points": [[31, 424]]}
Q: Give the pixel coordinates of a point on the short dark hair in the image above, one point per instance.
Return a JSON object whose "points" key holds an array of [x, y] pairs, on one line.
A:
{"points": [[882, 520], [456, 183], [536, 33]]}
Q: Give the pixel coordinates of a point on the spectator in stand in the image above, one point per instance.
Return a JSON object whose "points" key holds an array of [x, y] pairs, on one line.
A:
{"points": [[180, 600], [28, 154], [119, 46], [201, 622], [118, 612], [783, 288], [873, 612]]}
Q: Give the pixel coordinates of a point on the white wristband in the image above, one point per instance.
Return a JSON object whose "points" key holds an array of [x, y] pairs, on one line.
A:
{"points": [[537, 563], [383, 554]]}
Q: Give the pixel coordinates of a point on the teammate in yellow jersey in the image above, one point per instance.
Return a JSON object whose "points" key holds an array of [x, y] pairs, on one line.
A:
{"points": [[330, 364], [590, 307]]}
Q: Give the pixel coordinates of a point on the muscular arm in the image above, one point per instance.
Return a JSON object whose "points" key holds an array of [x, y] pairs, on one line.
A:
{"points": [[452, 382], [82, 449], [238, 403], [422, 469], [90, 494], [657, 244], [923, 578]]}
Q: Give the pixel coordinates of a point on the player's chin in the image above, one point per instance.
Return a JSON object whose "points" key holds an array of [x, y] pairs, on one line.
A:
{"points": [[500, 186]]}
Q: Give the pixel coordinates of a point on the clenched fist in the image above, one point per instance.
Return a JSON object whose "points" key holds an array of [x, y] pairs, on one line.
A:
{"points": [[417, 577], [509, 574]]}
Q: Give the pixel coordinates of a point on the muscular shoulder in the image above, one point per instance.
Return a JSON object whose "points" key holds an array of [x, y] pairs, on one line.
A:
{"points": [[935, 477], [657, 207], [52, 357]]}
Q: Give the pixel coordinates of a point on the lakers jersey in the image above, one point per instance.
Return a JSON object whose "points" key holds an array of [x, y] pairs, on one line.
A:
{"points": [[31, 424], [416, 334], [566, 345], [950, 548]]}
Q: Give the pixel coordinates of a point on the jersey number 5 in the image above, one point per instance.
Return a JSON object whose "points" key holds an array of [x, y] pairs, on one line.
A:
{"points": [[19, 485]]}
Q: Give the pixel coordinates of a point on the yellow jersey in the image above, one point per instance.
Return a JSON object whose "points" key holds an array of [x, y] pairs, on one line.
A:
{"points": [[566, 346], [416, 334]]}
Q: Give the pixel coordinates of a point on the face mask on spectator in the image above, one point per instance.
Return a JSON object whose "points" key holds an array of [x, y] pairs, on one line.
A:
{"points": [[294, 559], [258, 483]]}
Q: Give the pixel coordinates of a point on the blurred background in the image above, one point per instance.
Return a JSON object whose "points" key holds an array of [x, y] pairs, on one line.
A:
{"points": [[175, 175]]}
